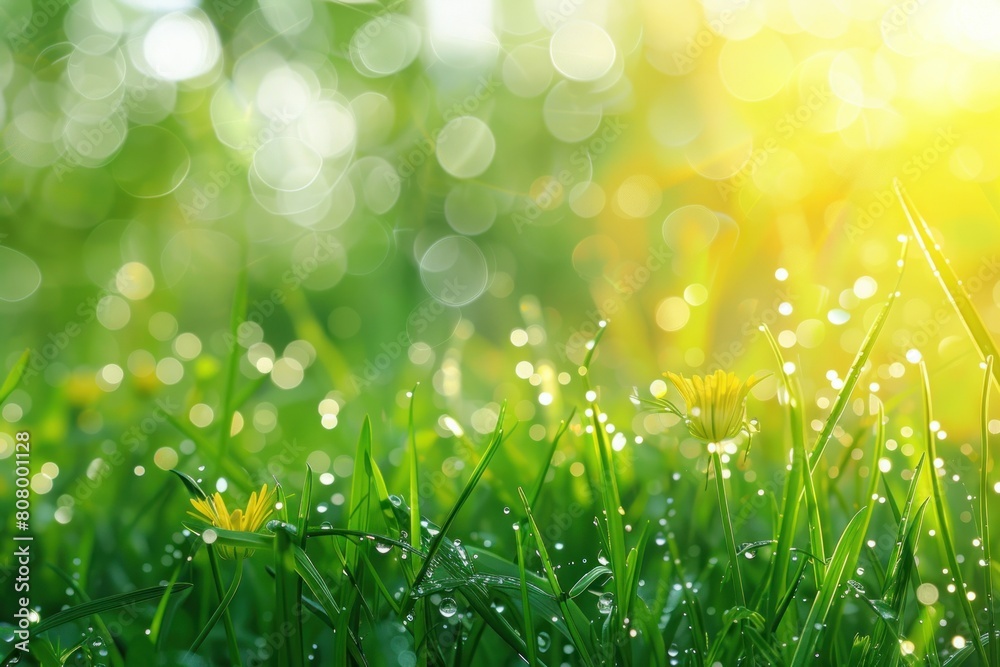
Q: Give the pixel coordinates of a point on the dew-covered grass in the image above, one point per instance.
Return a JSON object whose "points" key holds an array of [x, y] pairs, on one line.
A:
{"points": [[560, 333]]}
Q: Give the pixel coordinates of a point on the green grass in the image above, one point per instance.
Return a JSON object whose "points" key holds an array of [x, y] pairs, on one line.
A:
{"points": [[825, 567]]}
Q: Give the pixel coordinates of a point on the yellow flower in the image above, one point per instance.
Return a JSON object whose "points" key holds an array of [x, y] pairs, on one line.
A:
{"points": [[715, 404], [213, 510]]}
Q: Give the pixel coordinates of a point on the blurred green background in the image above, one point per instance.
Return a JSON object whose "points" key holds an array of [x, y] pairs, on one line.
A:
{"points": [[457, 194]]}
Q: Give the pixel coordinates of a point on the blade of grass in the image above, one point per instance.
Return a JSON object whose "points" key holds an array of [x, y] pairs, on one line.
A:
{"points": [[192, 486], [305, 568], [414, 474], [290, 653], [591, 349], [10, 383], [102, 605], [953, 287], [477, 473], [227, 619], [420, 607], [796, 419], [984, 514], [578, 641], [944, 521], [156, 625], [854, 373], [530, 640], [301, 538], [563, 427], [875, 477], [898, 568], [613, 513], [840, 567], [360, 516], [727, 527], [230, 594], [98, 622]]}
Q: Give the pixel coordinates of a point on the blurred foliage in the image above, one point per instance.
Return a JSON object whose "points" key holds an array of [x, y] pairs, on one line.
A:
{"points": [[457, 193]]}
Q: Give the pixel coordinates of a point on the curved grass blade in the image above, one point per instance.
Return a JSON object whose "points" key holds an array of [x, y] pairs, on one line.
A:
{"points": [[854, 373], [157, 624], [414, 474], [239, 539], [102, 605], [530, 640], [613, 512], [290, 653], [984, 514], [360, 516], [944, 521], [10, 383], [796, 418], [960, 656], [953, 287], [305, 568], [98, 622], [589, 578], [230, 594], [563, 427], [840, 567], [300, 538], [875, 478], [227, 619], [192, 486], [477, 474], [578, 641]]}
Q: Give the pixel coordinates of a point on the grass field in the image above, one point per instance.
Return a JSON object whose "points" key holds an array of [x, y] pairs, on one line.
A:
{"points": [[493, 333]]}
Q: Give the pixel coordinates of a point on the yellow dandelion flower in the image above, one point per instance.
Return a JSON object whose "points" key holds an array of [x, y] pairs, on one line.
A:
{"points": [[715, 404], [213, 510]]}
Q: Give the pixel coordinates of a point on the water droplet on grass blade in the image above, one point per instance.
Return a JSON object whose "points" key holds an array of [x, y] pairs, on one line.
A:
{"points": [[448, 607]]}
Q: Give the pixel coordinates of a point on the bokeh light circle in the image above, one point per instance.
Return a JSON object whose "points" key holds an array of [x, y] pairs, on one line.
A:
{"points": [[465, 147], [454, 271], [181, 46], [690, 228], [582, 51]]}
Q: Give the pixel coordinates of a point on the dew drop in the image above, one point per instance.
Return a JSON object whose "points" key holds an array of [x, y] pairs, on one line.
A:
{"points": [[448, 607]]}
